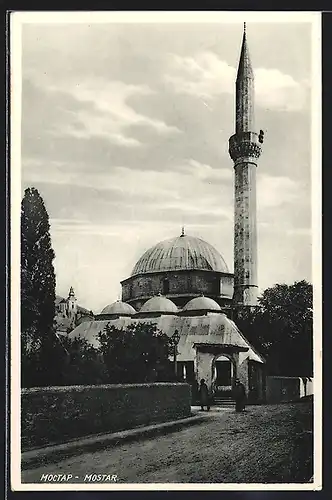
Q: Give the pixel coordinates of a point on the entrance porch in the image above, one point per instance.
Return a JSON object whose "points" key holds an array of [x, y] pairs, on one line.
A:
{"points": [[219, 365]]}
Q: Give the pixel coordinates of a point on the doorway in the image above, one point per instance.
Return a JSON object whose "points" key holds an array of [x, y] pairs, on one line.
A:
{"points": [[223, 372]]}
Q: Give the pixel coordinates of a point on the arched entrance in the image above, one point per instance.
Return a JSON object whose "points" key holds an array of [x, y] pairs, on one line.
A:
{"points": [[206, 356], [223, 373]]}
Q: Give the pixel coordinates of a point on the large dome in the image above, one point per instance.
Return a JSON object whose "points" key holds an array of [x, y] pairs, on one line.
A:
{"points": [[180, 253]]}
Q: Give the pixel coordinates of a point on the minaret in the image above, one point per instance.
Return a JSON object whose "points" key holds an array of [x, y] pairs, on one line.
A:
{"points": [[245, 149]]}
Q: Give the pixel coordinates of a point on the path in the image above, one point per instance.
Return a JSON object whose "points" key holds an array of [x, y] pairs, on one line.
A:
{"points": [[264, 444]]}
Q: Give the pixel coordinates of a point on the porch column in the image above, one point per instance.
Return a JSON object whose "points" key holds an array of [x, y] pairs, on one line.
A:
{"points": [[204, 367], [243, 373]]}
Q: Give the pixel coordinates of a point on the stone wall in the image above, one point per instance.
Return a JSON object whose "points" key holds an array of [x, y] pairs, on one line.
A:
{"points": [[283, 389], [57, 414]]}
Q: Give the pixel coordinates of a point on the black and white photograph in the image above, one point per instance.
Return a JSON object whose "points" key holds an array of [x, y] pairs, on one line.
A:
{"points": [[166, 251]]}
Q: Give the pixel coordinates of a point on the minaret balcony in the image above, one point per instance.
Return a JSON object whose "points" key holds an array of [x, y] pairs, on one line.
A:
{"points": [[245, 145]]}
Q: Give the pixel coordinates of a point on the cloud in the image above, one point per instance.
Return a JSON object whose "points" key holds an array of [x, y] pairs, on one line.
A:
{"points": [[124, 195], [90, 126], [204, 172], [273, 191], [112, 113], [276, 90], [94, 108], [146, 195], [205, 75], [125, 133], [82, 227], [57, 126]]}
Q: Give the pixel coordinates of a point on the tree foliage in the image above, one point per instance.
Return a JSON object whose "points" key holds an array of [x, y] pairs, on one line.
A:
{"points": [[138, 353], [281, 328], [38, 341], [84, 363], [135, 354]]}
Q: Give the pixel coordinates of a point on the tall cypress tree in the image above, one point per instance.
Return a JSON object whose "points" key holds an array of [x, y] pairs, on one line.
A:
{"points": [[37, 292]]}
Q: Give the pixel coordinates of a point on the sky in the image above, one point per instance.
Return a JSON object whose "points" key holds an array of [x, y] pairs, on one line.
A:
{"points": [[125, 132]]}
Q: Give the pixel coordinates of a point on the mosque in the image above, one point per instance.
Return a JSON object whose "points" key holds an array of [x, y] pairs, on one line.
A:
{"points": [[183, 284]]}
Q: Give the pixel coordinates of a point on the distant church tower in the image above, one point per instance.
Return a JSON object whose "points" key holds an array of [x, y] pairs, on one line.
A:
{"points": [[71, 305], [245, 149]]}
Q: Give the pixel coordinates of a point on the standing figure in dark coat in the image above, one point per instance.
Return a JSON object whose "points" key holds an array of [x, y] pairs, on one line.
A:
{"points": [[239, 394], [204, 395]]}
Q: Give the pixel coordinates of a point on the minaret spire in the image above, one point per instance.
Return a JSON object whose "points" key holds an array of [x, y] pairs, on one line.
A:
{"points": [[245, 89], [245, 68], [245, 149]]}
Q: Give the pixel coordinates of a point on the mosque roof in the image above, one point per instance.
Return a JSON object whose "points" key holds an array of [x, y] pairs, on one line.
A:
{"points": [[118, 308], [159, 304], [202, 304], [181, 253], [84, 318], [214, 328]]}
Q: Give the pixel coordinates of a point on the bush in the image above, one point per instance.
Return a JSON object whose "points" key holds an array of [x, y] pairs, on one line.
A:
{"points": [[58, 414], [84, 364], [140, 353]]}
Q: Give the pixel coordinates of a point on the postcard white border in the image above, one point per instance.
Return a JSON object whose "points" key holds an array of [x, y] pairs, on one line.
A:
{"points": [[16, 21]]}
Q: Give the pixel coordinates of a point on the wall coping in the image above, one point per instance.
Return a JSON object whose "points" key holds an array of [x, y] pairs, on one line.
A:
{"points": [[81, 388], [293, 378]]}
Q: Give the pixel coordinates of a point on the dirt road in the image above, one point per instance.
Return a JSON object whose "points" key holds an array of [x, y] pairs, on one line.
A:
{"points": [[265, 444]]}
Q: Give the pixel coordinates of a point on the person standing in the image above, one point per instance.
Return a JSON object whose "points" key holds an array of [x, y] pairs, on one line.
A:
{"points": [[204, 395], [239, 394]]}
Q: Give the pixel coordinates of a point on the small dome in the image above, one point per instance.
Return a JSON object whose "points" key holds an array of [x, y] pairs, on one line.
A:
{"points": [[202, 304], [119, 308], [159, 304], [180, 253]]}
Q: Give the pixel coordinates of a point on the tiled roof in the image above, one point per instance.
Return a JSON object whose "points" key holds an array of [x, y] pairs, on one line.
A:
{"points": [[214, 328], [182, 252]]}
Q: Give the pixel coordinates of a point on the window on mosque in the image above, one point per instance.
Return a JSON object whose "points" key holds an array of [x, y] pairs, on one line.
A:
{"points": [[190, 372], [185, 370], [165, 286], [216, 286]]}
